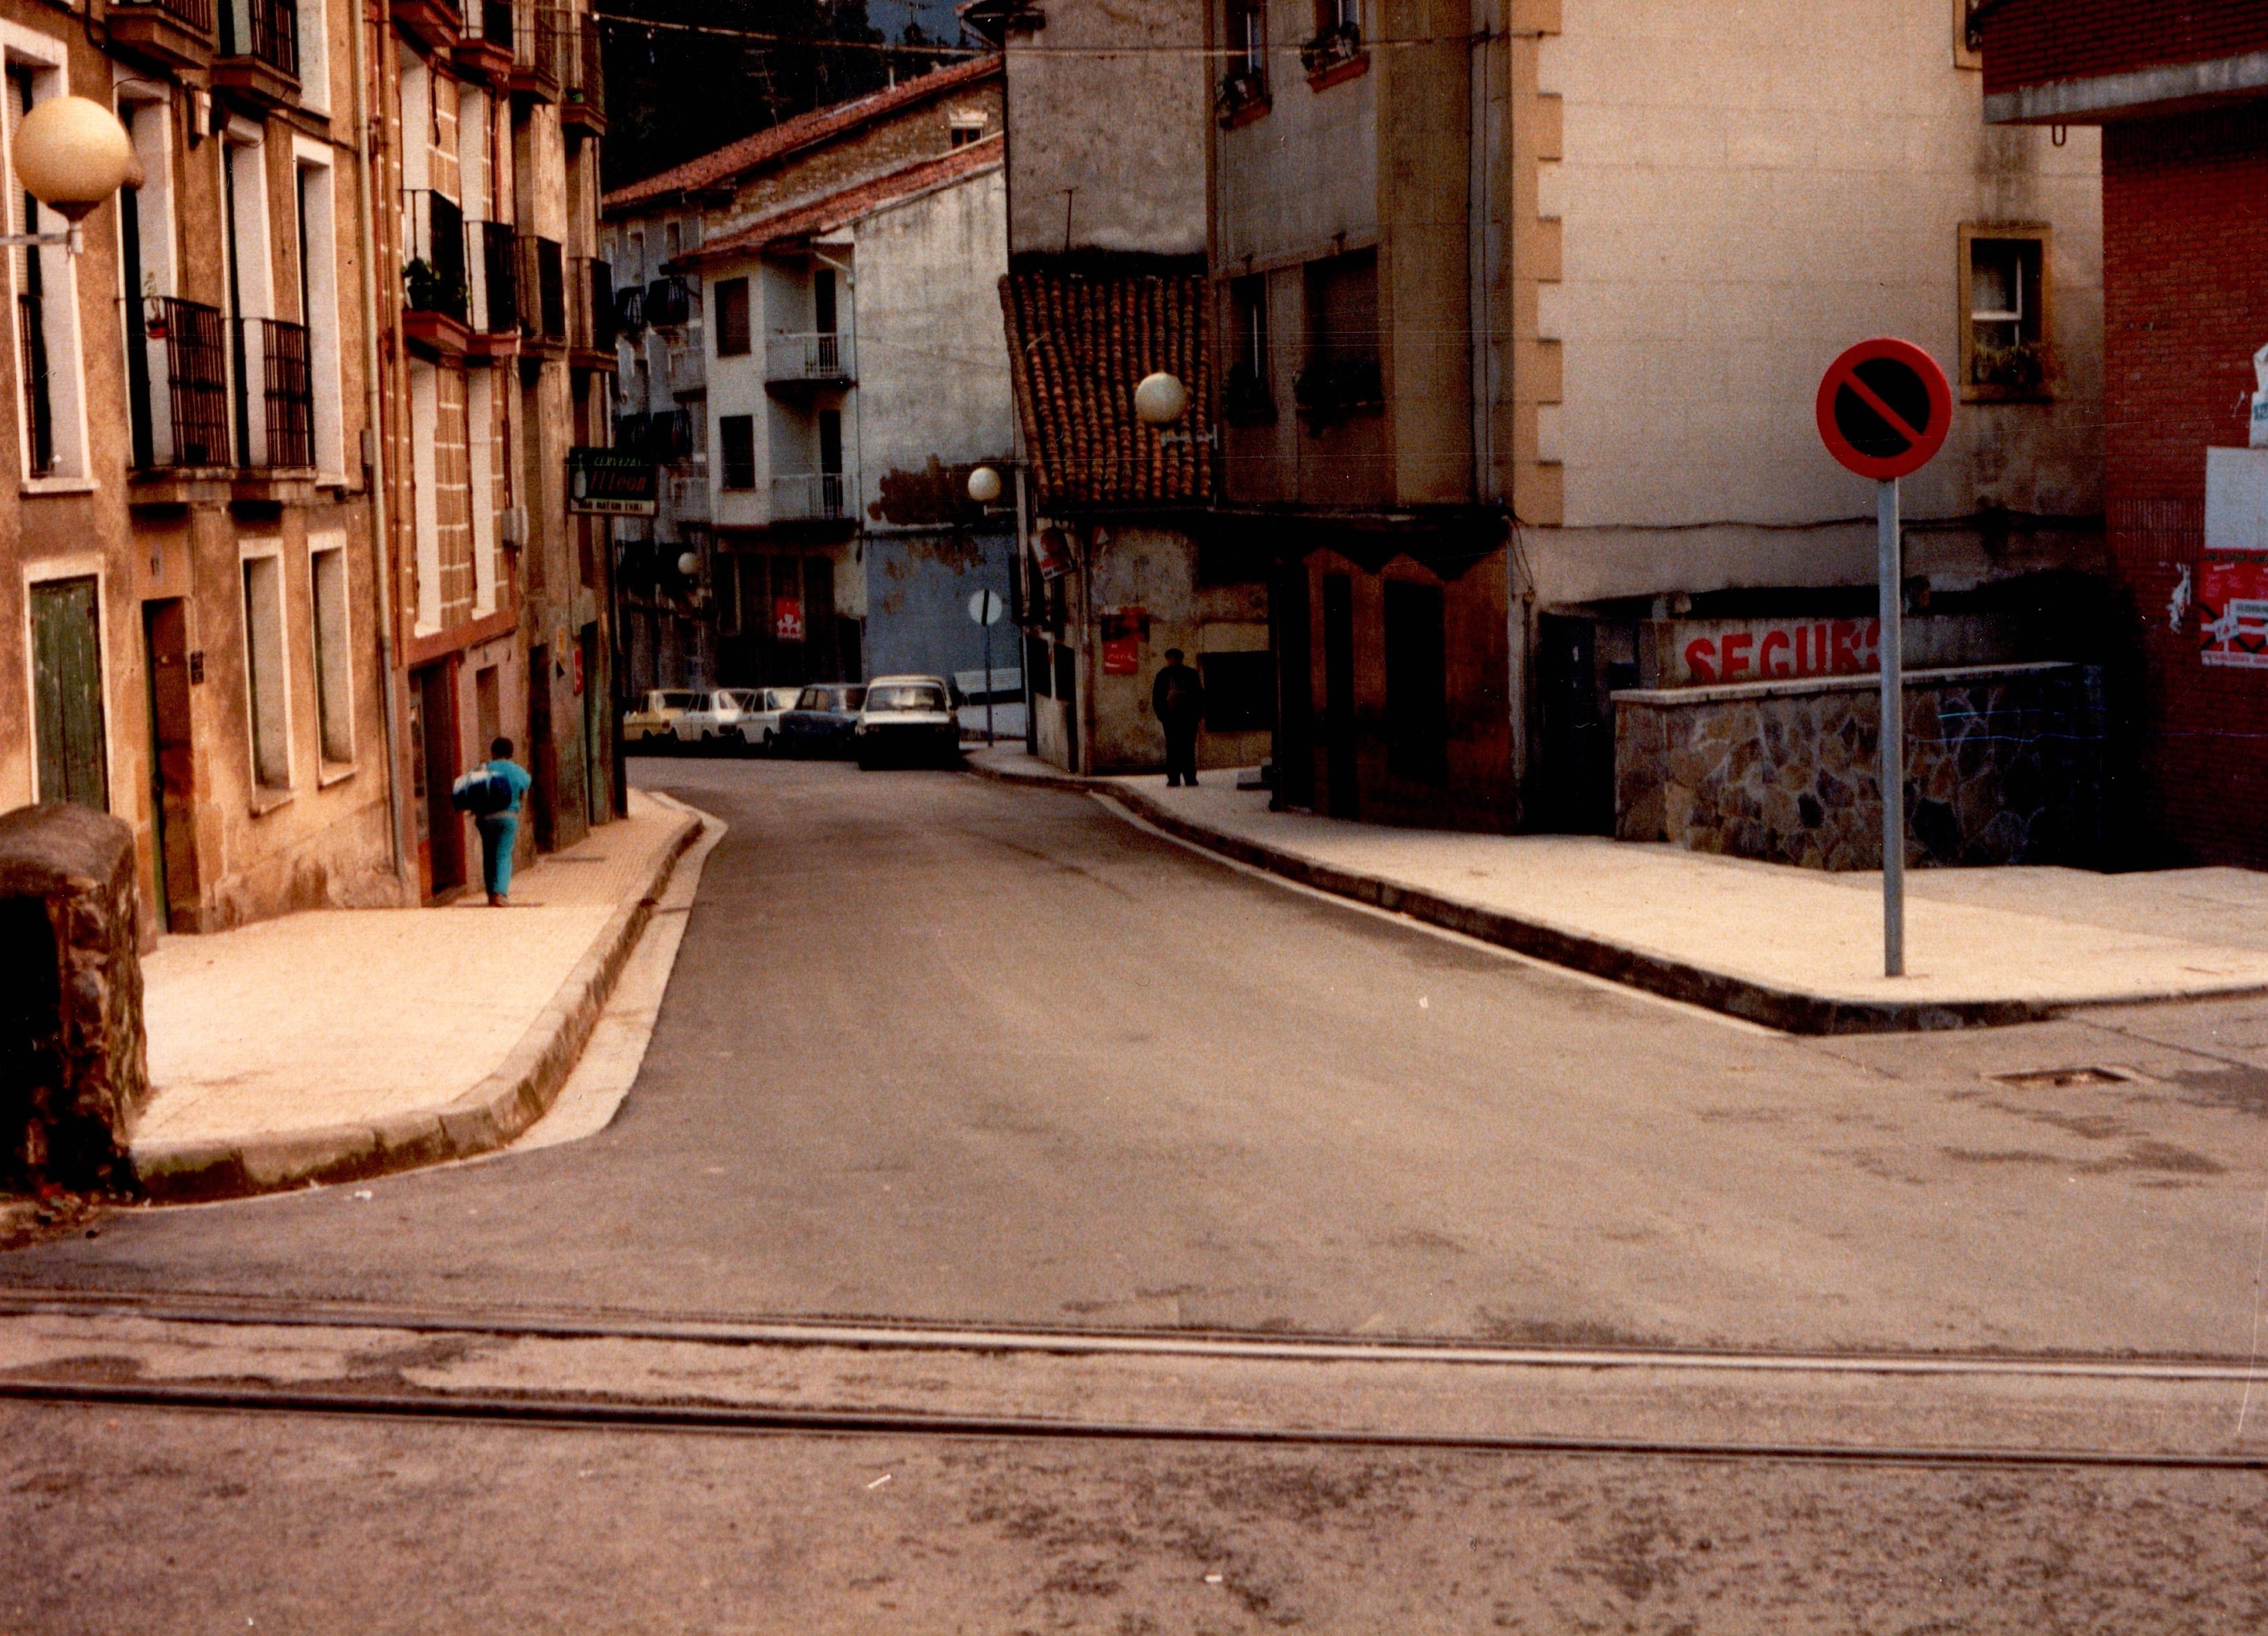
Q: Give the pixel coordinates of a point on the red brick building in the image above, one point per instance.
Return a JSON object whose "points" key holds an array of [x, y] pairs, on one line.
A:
{"points": [[2180, 88]]}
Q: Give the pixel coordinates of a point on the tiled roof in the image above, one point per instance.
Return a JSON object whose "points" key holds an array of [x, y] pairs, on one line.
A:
{"points": [[817, 216], [803, 131], [1076, 347]]}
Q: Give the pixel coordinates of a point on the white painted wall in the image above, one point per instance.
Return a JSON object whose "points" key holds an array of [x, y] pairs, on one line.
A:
{"points": [[1746, 190]]}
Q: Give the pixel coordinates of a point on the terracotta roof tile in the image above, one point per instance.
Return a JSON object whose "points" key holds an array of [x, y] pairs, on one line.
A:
{"points": [[1076, 347], [848, 204], [805, 130]]}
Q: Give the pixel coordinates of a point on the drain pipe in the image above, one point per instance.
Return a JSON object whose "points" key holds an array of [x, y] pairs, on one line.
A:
{"points": [[374, 439]]}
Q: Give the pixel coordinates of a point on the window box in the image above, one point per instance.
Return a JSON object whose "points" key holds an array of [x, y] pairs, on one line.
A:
{"points": [[1242, 97], [1333, 389], [1334, 56]]}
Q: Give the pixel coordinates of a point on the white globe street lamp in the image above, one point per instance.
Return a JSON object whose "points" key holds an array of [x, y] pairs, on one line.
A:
{"points": [[70, 154], [688, 564], [985, 485], [1160, 399]]}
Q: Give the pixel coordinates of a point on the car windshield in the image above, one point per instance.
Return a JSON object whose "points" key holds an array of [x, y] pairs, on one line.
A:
{"points": [[680, 700], [779, 698], [739, 699], [906, 695]]}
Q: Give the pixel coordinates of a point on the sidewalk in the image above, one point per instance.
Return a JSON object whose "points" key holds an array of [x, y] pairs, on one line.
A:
{"points": [[338, 1043], [1797, 949]]}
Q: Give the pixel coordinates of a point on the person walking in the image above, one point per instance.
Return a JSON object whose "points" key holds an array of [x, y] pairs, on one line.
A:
{"points": [[1178, 697], [491, 792]]}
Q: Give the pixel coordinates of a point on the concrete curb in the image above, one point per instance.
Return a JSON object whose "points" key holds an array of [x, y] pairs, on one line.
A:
{"points": [[485, 1118], [1791, 1011]]}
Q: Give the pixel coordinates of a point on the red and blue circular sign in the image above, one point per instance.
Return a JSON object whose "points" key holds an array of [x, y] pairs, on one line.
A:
{"points": [[1884, 408]]}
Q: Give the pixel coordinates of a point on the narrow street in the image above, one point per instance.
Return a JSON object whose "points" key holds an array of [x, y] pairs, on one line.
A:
{"points": [[939, 1052]]}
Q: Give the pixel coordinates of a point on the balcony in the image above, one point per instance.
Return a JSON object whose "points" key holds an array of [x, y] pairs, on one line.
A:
{"points": [[630, 310], [814, 496], [259, 56], [438, 318], [535, 54], [542, 296], [175, 34], [593, 341], [665, 436], [685, 493], [820, 359], [274, 395], [484, 49], [177, 398], [433, 23], [583, 98], [668, 303]]}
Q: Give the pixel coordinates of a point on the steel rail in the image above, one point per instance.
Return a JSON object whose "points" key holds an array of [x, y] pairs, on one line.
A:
{"points": [[599, 1414], [916, 1335]]}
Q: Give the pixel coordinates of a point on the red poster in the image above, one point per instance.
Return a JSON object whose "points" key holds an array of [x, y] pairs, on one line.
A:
{"points": [[1124, 629], [2233, 613], [787, 618]]}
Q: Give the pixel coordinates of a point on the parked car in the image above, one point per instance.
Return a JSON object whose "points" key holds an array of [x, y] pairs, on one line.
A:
{"points": [[823, 720], [759, 727], [907, 718], [657, 717], [715, 720]]}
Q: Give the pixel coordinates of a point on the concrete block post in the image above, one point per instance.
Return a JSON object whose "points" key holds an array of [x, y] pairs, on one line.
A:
{"points": [[74, 1061]]}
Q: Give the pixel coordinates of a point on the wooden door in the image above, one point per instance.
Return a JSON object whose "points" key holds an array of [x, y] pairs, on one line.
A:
{"points": [[74, 759], [1340, 743], [173, 762], [435, 688]]}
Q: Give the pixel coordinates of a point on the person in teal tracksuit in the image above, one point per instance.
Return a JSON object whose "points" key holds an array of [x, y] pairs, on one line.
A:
{"points": [[500, 831]]}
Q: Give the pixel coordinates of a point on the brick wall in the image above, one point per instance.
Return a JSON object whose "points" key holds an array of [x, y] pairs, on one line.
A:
{"points": [[2185, 306], [2030, 43]]}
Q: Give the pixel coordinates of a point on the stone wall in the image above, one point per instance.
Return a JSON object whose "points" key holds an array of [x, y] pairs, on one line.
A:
{"points": [[2003, 766], [74, 1073]]}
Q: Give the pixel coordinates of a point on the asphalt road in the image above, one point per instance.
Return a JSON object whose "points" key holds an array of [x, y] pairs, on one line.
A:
{"points": [[943, 1049], [940, 1050]]}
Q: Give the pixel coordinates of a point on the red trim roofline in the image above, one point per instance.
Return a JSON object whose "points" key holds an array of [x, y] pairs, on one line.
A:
{"points": [[815, 128]]}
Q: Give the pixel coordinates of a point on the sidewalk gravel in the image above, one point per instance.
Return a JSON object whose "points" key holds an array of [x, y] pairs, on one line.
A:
{"points": [[338, 1043], [1798, 949]]}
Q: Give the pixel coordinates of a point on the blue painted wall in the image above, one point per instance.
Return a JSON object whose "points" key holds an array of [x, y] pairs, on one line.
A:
{"points": [[917, 591]]}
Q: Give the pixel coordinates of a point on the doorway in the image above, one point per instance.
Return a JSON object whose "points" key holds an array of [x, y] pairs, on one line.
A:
{"points": [[1295, 705], [1575, 793], [590, 675], [172, 762], [1338, 693], [74, 753], [433, 750], [543, 752]]}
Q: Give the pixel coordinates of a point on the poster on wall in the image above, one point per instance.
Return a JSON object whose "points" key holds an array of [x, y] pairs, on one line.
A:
{"points": [[1124, 629], [2233, 613], [787, 619]]}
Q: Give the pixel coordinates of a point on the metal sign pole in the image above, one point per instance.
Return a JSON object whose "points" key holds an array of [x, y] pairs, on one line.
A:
{"points": [[1893, 735], [988, 670]]}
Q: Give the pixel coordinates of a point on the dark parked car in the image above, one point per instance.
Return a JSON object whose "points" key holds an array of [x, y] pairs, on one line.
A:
{"points": [[824, 721]]}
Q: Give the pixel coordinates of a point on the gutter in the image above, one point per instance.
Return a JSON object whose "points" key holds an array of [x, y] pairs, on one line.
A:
{"points": [[381, 534]]}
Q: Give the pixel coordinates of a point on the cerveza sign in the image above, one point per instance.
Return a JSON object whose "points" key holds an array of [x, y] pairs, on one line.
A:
{"points": [[611, 483]]}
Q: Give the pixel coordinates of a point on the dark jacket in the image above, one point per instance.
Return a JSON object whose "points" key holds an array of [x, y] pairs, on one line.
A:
{"points": [[1178, 697]]}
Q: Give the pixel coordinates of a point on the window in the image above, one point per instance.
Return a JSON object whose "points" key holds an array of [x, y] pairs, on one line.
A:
{"points": [[2004, 340], [1417, 684], [1240, 691], [967, 126], [1248, 39], [264, 677], [1248, 397], [1341, 375], [319, 305], [736, 440], [1968, 42], [1066, 673], [44, 279], [31, 323], [1336, 52], [822, 300], [732, 317], [333, 656]]}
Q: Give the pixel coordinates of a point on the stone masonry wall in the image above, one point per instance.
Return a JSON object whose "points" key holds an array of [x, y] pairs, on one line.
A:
{"points": [[2002, 767], [74, 1073]]}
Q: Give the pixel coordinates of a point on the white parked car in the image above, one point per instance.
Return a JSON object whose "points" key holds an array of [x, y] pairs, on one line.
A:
{"points": [[716, 718], [759, 727], [657, 717], [907, 718]]}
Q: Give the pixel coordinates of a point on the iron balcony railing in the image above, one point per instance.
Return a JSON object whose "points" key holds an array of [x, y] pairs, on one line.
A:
{"points": [[535, 50], [276, 396], [542, 289], [664, 437], [685, 492], [39, 410], [497, 305], [814, 496], [581, 65], [185, 352], [630, 310], [266, 29], [818, 356], [434, 275], [193, 14], [668, 303]]}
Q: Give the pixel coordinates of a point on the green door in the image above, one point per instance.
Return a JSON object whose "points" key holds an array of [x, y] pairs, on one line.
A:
{"points": [[67, 693]]}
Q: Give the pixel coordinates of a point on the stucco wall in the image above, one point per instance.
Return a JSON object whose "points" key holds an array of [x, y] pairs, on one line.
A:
{"points": [[1126, 133], [1745, 192]]}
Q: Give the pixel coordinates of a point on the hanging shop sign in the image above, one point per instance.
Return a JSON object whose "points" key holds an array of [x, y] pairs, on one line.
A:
{"points": [[612, 483], [787, 618]]}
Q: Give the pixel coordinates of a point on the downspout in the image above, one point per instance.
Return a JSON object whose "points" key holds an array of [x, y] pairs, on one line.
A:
{"points": [[381, 533]]}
